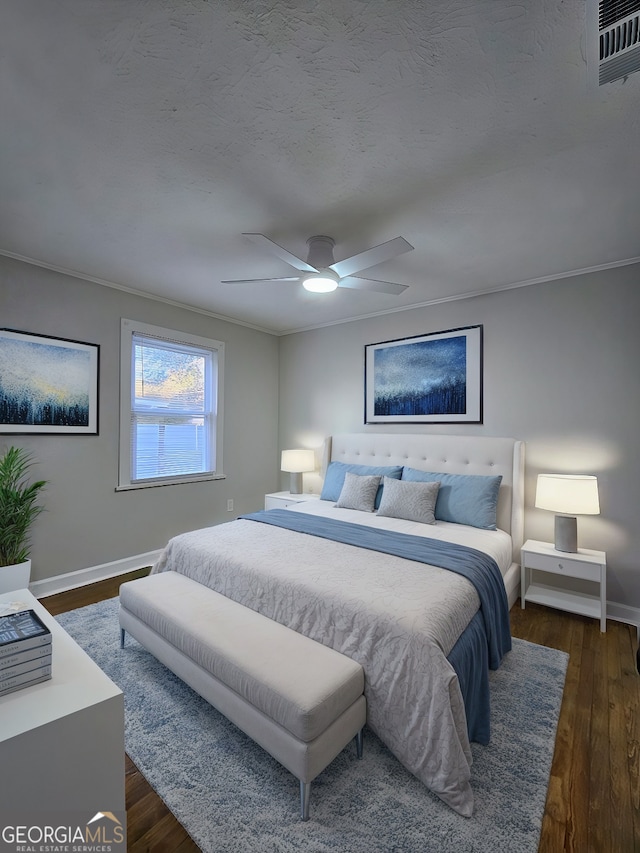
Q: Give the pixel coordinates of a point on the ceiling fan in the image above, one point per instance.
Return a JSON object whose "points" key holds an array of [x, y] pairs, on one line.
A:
{"points": [[321, 273]]}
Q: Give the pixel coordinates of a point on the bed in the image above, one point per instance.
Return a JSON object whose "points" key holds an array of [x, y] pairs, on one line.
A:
{"points": [[421, 606]]}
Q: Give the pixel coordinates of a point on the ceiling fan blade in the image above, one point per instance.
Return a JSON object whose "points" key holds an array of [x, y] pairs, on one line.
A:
{"points": [[283, 254], [258, 280], [371, 257], [357, 283]]}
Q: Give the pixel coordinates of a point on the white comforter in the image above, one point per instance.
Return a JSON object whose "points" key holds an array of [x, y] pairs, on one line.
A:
{"points": [[397, 618]]}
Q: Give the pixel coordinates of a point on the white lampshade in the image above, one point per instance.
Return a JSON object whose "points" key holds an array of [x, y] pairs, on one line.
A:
{"points": [[571, 494], [297, 462], [575, 494]]}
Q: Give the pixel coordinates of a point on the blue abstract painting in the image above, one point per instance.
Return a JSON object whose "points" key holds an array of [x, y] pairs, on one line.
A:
{"points": [[47, 384], [424, 379]]}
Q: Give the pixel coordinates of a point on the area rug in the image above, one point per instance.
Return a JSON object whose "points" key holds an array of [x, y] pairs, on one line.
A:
{"points": [[232, 797]]}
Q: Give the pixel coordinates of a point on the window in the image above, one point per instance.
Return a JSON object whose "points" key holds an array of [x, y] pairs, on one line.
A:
{"points": [[170, 407]]}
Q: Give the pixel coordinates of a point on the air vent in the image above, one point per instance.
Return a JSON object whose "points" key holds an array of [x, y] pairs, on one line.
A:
{"points": [[618, 39]]}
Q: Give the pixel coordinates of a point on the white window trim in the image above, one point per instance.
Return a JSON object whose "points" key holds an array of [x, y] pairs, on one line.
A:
{"points": [[127, 329]]}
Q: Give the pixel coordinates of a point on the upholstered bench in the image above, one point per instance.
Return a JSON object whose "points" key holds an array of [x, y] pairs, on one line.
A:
{"points": [[301, 701]]}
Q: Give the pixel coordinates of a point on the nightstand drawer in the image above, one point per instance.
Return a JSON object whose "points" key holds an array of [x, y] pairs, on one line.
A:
{"points": [[571, 567], [271, 502], [279, 500]]}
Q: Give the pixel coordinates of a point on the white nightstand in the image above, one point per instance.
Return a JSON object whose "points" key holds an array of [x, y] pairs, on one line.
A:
{"points": [[584, 564], [277, 500]]}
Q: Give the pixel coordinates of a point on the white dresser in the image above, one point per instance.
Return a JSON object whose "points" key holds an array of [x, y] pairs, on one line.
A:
{"points": [[62, 741]]}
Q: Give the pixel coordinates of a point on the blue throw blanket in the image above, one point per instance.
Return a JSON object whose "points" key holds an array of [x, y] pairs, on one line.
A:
{"points": [[488, 636]]}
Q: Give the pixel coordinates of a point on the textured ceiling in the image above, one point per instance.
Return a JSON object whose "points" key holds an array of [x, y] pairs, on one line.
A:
{"points": [[139, 139]]}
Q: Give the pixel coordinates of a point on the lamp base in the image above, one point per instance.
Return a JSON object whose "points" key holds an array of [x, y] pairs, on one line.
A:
{"points": [[295, 482], [566, 531]]}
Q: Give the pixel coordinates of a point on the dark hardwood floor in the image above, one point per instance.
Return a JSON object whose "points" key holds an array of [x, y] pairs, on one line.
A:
{"points": [[151, 828], [593, 801]]}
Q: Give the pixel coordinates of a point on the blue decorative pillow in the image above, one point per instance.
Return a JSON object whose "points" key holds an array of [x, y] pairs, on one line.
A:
{"points": [[462, 498], [334, 479]]}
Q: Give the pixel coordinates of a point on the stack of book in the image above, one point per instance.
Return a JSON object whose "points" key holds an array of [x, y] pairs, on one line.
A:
{"points": [[25, 651]]}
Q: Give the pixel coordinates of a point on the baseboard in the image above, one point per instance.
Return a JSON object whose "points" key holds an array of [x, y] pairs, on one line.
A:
{"points": [[624, 613], [72, 580]]}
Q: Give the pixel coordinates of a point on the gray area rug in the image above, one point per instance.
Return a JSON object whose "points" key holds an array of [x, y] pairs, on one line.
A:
{"points": [[232, 797]]}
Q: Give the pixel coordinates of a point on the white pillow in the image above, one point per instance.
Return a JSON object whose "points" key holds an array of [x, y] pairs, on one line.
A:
{"points": [[359, 491], [413, 501]]}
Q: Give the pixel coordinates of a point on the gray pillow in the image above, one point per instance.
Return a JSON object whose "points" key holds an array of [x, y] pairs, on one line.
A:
{"points": [[359, 492], [413, 501]]}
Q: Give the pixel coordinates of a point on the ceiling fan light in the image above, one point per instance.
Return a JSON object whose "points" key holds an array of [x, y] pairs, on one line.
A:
{"points": [[323, 282]]}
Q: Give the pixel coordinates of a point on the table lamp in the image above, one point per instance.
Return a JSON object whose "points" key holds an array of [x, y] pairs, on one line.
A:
{"points": [[296, 462], [570, 494]]}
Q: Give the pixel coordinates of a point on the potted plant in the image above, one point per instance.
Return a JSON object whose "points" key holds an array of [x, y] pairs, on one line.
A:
{"points": [[18, 510]]}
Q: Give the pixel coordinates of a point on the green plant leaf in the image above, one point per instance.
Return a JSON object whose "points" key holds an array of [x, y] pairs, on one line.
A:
{"points": [[18, 505]]}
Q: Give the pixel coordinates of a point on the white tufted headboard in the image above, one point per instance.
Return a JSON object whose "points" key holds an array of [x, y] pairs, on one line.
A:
{"points": [[449, 454]]}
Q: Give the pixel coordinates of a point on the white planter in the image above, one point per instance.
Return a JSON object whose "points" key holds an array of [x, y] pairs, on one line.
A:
{"points": [[15, 577]]}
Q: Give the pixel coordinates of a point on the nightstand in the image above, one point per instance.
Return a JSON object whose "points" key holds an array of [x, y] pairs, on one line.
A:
{"points": [[585, 564], [278, 500]]}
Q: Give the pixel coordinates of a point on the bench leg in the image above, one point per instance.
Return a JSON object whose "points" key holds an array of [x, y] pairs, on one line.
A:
{"points": [[359, 742], [122, 638], [305, 793], [305, 787]]}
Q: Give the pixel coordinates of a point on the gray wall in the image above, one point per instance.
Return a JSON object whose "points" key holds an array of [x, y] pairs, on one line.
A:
{"points": [[561, 366], [88, 523], [560, 371]]}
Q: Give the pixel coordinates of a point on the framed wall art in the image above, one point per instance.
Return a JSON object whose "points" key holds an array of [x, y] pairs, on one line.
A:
{"points": [[47, 385], [426, 379]]}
